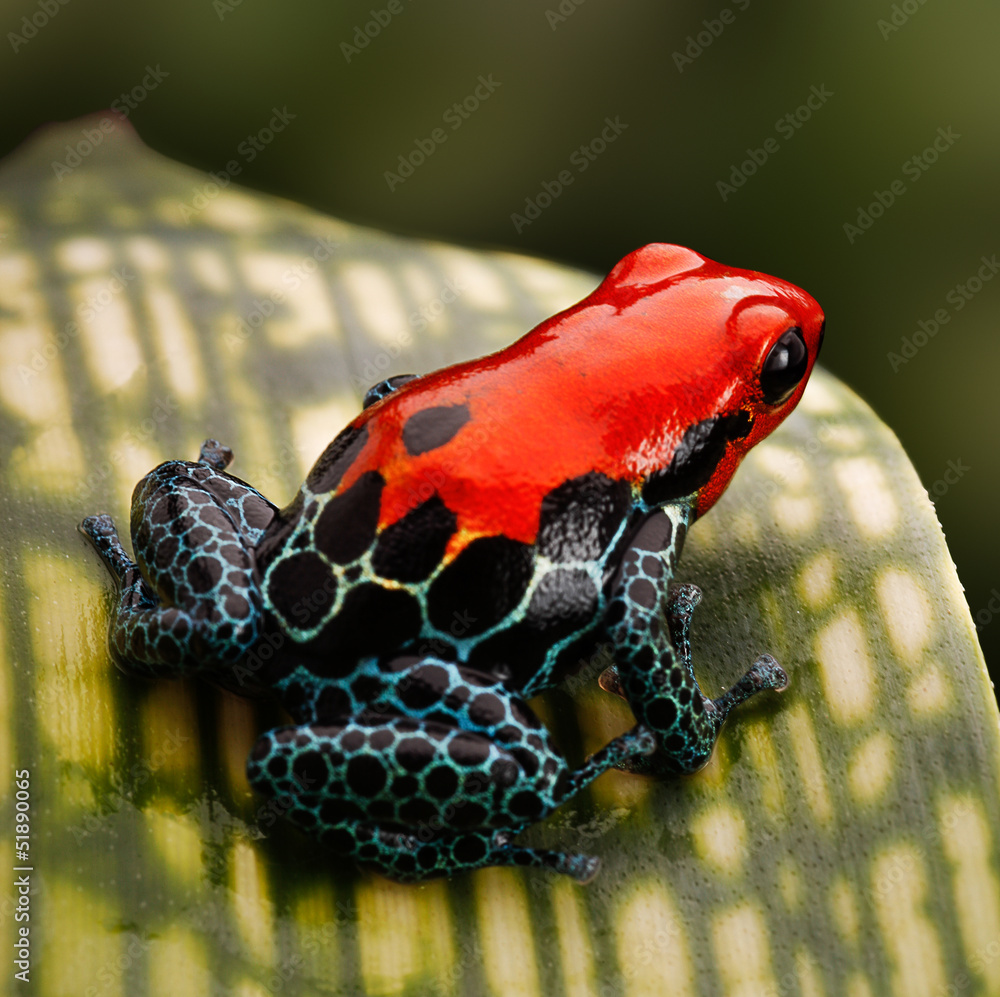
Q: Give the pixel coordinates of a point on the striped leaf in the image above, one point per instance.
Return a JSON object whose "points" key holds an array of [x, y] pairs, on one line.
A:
{"points": [[843, 839]]}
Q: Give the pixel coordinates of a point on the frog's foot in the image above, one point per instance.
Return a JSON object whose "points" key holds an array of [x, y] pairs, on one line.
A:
{"points": [[409, 857], [610, 680], [765, 673], [100, 531], [686, 721], [215, 455], [453, 798]]}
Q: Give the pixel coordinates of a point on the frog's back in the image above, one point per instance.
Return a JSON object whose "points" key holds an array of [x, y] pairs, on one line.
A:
{"points": [[437, 523], [475, 512]]}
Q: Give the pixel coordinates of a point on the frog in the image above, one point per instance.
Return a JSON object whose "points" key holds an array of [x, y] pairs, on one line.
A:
{"points": [[470, 538]]}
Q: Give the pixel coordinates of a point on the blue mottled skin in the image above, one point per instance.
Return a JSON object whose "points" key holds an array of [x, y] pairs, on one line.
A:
{"points": [[415, 762], [468, 541]]}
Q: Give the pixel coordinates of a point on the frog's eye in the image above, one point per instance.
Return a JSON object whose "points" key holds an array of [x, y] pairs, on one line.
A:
{"points": [[784, 367]]}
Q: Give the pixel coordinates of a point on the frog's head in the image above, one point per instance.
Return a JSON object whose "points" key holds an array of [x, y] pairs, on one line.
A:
{"points": [[717, 358]]}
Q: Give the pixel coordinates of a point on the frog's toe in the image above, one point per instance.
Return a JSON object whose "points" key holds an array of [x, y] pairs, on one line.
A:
{"points": [[100, 531], [98, 525], [582, 868], [769, 674], [215, 455], [637, 743], [610, 681], [764, 673]]}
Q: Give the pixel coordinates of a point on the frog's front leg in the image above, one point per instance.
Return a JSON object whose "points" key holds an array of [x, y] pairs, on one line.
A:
{"points": [[441, 789], [653, 663], [678, 608], [192, 601]]}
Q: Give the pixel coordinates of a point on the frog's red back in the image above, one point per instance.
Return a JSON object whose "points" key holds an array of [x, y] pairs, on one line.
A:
{"points": [[625, 383]]}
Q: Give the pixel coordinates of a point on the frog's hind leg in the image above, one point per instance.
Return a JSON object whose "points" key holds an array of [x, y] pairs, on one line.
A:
{"points": [[143, 636], [192, 602], [422, 798]]}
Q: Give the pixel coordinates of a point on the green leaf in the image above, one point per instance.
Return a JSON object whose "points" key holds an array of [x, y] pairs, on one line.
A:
{"points": [[843, 839]]}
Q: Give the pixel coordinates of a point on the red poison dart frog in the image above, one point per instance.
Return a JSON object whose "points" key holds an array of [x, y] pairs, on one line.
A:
{"points": [[458, 548]]}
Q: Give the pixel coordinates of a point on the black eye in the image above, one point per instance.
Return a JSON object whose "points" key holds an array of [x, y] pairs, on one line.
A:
{"points": [[784, 367]]}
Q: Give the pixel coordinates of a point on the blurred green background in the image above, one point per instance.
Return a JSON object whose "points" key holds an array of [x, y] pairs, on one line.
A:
{"points": [[695, 91]]}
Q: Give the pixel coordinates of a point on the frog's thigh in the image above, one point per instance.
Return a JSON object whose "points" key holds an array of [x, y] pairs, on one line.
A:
{"points": [[200, 566], [406, 772], [416, 798]]}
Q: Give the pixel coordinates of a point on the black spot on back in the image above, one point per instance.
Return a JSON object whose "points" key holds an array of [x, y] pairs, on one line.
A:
{"points": [[410, 549], [661, 713], [336, 459], [484, 583], [346, 526], [300, 589], [641, 592], [258, 512], [433, 427], [469, 848], [580, 517], [441, 782], [525, 804], [311, 772], [486, 710], [371, 621], [696, 457], [563, 602]]}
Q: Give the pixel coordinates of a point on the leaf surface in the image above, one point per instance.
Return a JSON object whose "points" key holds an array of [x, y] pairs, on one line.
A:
{"points": [[843, 839]]}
